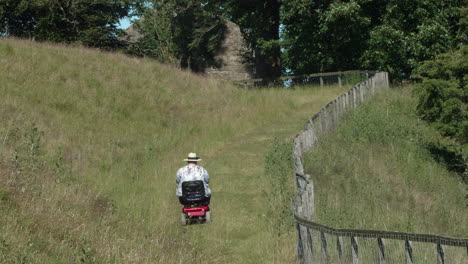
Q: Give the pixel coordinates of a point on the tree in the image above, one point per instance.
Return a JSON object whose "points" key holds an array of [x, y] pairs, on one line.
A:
{"points": [[17, 18], [410, 32], [389, 35], [302, 50], [259, 21], [323, 36], [180, 31], [443, 101], [88, 22]]}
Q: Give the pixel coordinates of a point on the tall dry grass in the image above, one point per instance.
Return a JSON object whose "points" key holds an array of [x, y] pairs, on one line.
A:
{"points": [[90, 142], [379, 171]]}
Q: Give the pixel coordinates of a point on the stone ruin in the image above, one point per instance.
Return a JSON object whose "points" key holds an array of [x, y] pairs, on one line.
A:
{"points": [[232, 65], [230, 62]]}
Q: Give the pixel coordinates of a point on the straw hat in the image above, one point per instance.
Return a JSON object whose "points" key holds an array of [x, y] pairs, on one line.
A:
{"points": [[192, 157]]}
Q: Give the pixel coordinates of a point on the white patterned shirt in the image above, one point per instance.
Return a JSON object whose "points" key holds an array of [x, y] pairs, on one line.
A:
{"points": [[192, 173]]}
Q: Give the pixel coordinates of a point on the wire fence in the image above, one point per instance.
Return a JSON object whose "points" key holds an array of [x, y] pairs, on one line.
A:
{"points": [[319, 79], [329, 245]]}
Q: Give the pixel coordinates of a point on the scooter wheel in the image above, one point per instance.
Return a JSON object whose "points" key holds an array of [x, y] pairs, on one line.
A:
{"points": [[183, 219], [208, 217]]}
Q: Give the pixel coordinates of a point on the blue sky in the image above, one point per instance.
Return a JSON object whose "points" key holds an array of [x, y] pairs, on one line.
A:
{"points": [[125, 23]]}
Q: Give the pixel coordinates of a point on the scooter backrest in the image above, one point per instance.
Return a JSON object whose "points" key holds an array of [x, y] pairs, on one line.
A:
{"points": [[191, 188]]}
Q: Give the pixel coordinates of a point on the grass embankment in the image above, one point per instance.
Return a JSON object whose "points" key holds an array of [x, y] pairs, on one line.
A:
{"points": [[377, 172], [89, 146]]}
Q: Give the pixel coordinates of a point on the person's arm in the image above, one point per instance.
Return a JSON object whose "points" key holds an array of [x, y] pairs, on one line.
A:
{"points": [[206, 177], [178, 176]]}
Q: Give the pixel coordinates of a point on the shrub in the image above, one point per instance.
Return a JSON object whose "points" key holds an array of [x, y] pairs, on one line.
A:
{"points": [[442, 102]]}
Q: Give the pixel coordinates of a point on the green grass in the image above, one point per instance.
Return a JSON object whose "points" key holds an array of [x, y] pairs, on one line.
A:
{"points": [[89, 145], [377, 171]]}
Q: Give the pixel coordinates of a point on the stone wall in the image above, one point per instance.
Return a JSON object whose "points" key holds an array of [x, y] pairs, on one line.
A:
{"points": [[322, 123]]}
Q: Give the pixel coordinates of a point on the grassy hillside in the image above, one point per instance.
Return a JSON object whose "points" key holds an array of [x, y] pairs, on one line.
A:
{"points": [[377, 171], [90, 143]]}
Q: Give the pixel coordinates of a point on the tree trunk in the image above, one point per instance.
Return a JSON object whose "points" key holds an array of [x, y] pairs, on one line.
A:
{"points": [[267, 61]]}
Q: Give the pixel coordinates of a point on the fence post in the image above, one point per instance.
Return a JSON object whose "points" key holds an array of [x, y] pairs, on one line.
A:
{"points": [[339, 80], [304, 208], [300, 248], [380, 242], [354, 247], [321, 81], [339, 247], [409, 252], [324, 247], [309, 240], [440, 254]]}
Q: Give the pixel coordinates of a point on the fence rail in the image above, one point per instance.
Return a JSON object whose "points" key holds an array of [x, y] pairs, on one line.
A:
{"points": [[381, 239], [448, 241], [327, 78]]}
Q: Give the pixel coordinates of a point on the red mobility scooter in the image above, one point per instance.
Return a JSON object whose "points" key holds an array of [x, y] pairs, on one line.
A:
{"points": [[196, 204]]}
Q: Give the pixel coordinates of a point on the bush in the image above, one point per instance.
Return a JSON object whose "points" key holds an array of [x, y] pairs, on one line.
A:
{"points": [[442, 102]]}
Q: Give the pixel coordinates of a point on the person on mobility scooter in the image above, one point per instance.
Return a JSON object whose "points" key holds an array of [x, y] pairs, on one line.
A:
{"points": [[192, 189]]}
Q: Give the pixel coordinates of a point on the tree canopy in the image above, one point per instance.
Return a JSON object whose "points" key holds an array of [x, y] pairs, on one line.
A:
{"points": [[187, 32], [443, 102], [285, 37], [393, 35], [87, 22]]}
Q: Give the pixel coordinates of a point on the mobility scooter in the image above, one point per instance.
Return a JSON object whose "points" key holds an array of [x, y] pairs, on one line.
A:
{"points": [[196, 205]]}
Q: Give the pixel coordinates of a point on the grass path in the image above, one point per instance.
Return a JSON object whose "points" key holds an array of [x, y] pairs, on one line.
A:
{"points": [[114, 131], [239, 233]]}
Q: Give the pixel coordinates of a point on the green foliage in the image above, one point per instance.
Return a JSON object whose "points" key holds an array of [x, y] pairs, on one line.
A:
{"points": [[443, 100], [343, 29], [259, 21], [279, 170], [385, 35], [187, 32], [303, 53], [411, 31], [353, 78], [462, 34], [90, 22], [330, 39]]}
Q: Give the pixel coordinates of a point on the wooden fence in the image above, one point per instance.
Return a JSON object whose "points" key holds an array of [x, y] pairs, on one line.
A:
{"points": [[432, 249], [322, 79], [321, 244]]}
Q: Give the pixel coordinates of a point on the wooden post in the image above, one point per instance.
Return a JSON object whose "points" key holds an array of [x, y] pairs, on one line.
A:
{"points": [[339, 80], [409, 252], [380, 242], [321, 81], [339, 247], [324, 246], [440, 254], [311, 248], [354, 247], [300, 248]]}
